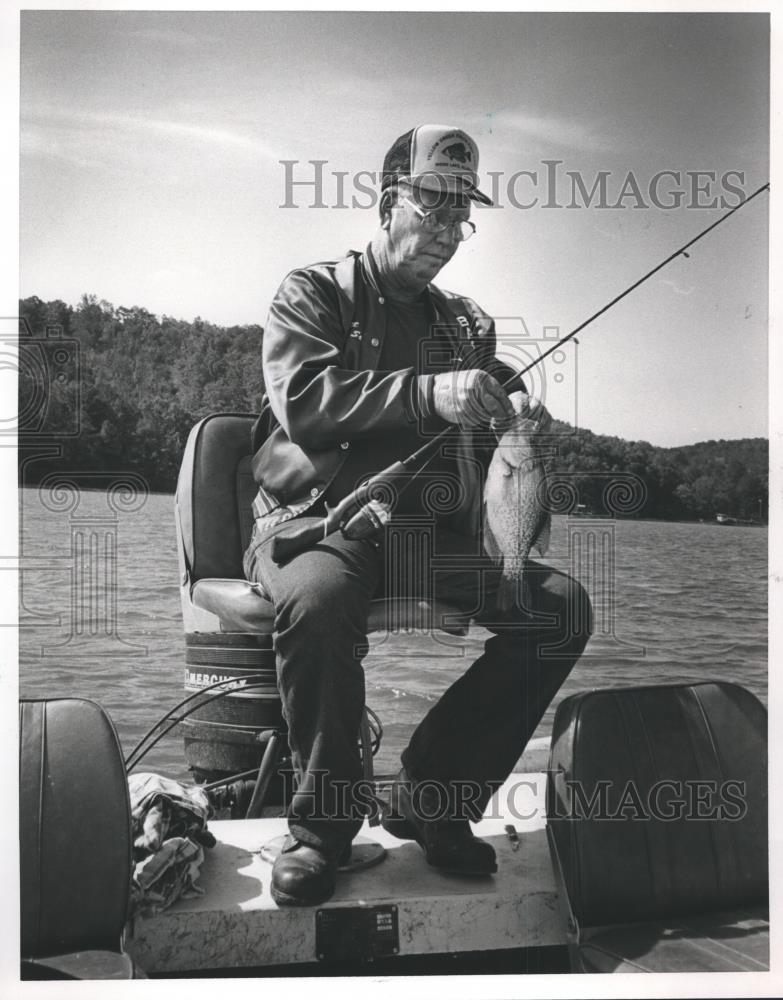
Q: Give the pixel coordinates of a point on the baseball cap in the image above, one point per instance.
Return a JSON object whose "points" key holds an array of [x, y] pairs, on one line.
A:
{"points": [[438, 158]]}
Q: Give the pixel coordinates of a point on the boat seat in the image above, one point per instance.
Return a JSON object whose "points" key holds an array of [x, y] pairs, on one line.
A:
{"points": [[242, 606], [75, 842], [215, 492], [229, 621], [657, 826]]}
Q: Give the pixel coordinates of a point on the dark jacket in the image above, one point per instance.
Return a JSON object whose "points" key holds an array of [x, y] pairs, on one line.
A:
{"points": [[321, 346]]}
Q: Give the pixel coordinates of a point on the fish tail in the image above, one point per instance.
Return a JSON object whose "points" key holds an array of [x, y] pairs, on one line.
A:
{"points": [[527, 597], [507, 593]]}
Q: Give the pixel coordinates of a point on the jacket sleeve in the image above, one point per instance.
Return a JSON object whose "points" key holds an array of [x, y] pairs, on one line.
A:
{"points": [[318, 403]]}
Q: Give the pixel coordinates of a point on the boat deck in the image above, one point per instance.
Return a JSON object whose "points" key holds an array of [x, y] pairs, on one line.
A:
{"points": [[400, 904]]}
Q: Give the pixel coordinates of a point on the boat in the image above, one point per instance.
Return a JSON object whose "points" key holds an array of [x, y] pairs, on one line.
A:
{"points": [[647, 895], [727, 519]]}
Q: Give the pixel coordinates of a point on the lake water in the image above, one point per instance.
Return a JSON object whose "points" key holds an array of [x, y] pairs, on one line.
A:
{"points": [[674, 602]]}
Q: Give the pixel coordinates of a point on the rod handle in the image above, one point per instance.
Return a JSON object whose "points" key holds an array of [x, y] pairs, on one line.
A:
{"points": [[291, 542]]}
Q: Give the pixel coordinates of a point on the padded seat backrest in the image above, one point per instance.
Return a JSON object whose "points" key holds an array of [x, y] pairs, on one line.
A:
{"points": [[214, 497], [677, 775], [74, 829]]}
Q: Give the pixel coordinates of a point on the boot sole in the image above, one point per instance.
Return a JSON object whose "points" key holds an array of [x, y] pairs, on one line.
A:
{"points": [[471, 873], [284, 899]]}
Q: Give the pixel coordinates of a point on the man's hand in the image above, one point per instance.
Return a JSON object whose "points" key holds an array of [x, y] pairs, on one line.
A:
{"points": [[523, 405], [470, 398]]}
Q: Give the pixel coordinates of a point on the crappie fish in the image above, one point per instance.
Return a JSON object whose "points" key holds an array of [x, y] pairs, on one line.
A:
{"points": [[514, 519]]}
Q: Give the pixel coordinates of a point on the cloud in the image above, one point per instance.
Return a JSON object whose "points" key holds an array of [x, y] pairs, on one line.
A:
{"points": [[218, 136], [40, 143], [551, 130], [63, 132], [166, 36]]}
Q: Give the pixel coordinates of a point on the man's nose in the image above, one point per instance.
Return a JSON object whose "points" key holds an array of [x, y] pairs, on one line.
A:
{"points": [[449, 238]]}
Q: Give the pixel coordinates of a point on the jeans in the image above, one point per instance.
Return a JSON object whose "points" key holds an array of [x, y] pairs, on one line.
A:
{"points": [[474, 734]]}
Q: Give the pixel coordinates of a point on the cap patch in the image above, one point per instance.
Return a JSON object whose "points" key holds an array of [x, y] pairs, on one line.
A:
{"points": [[458, 151]]}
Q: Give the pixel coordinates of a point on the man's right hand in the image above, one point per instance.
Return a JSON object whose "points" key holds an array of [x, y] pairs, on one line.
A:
{"points": [[470, 398]]}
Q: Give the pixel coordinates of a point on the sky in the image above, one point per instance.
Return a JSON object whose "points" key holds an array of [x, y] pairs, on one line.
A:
{"points": [[151, 175]]}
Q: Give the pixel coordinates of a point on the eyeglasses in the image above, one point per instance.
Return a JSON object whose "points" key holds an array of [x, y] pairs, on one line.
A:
{"points": [[438, 221]]}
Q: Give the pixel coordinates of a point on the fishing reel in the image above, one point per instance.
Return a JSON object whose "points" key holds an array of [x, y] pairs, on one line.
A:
{"points": [[368, 520]]}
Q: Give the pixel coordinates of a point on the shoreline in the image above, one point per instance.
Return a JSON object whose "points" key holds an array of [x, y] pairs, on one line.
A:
{"points": [[586, 517]]}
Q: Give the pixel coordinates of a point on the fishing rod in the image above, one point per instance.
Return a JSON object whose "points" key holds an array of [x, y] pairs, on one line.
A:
{"points": [[641, 281], [368, 508]]}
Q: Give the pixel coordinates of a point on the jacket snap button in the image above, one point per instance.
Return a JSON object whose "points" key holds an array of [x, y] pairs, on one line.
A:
{"points": [[382, 300], [344, 445], [314, 491], [375, 341]]}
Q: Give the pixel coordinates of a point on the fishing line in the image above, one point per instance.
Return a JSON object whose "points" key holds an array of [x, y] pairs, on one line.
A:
{"points": [[658, 267]]}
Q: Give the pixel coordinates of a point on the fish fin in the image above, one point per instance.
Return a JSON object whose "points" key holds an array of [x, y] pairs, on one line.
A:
{"points": [[491, 546], [541, 544]]}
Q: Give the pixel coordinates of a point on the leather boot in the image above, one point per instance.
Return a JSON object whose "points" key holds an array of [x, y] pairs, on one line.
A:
{"points": [[448, 844], [303, 875]]}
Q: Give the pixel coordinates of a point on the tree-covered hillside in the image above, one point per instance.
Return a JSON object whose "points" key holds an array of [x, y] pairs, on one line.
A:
{"points": [[142, 382], [695, 481]]}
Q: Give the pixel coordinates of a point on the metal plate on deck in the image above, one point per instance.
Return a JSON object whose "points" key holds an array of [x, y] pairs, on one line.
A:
{"points": [[356, 932]]}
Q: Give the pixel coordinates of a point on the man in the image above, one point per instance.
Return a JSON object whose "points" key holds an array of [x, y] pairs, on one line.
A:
{"points": [[365, 360]]}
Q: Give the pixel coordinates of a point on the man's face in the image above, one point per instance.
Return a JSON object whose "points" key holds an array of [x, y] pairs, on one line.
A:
{"points": [[417, 254]]}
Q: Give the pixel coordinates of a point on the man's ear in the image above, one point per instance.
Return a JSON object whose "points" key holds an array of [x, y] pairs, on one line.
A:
{"points": [[385, 207]]}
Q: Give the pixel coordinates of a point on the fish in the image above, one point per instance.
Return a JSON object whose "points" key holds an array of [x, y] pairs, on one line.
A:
{"points": [[458, 151], [515, 520]]}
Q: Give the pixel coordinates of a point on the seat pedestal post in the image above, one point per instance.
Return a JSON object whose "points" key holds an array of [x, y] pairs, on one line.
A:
{"points": [[269, 762]]}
